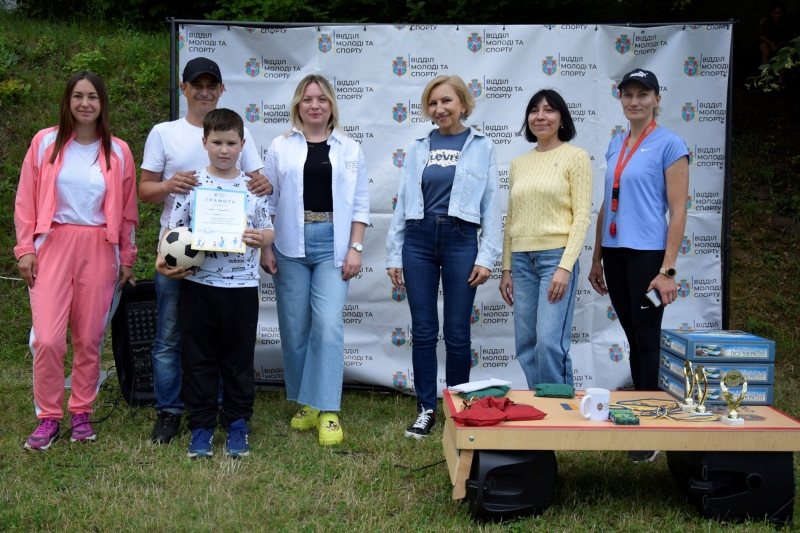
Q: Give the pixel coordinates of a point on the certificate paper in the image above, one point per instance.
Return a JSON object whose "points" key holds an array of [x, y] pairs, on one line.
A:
{"points": [[219, 219]]}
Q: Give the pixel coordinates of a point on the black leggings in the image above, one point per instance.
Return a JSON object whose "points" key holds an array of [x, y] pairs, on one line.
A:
{"points": [[628, 273]]}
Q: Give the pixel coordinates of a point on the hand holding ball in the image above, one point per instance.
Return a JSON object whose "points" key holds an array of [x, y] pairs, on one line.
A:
{"points": [[176, 249]]}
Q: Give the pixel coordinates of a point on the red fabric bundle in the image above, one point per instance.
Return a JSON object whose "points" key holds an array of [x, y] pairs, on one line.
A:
{"points": [[490, 411]]}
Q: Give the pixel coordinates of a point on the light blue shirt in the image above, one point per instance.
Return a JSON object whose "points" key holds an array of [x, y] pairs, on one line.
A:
{"points": [[474, 197], [641, 213], [283, 166]]}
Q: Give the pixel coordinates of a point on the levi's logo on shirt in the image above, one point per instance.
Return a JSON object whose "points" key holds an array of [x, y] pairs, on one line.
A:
{"points": [[444, 158]]}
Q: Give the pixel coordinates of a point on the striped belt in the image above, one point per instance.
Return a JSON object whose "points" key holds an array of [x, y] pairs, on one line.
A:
{"points": [[310, 217]]}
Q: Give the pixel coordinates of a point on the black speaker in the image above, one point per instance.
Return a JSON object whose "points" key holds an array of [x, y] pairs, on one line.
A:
{"points": [[737, 485], [508, 484], [133, 330]]}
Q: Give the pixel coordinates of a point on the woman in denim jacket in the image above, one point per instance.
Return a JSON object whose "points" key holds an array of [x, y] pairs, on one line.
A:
{"points": [[446, 223]]}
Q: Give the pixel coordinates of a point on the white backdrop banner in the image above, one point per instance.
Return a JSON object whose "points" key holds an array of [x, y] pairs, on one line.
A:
{"points": [[379, 71]]}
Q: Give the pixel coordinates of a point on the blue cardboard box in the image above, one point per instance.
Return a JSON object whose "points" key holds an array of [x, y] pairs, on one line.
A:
{"points": [[754, 373], [720, 346], [756, 394]]}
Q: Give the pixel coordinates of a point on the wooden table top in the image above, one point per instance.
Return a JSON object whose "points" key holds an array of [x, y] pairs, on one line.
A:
{"points": [[564, 428]]}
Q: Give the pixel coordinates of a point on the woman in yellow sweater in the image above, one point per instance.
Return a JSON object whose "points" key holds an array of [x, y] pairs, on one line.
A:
{"points": [[548, 215]]}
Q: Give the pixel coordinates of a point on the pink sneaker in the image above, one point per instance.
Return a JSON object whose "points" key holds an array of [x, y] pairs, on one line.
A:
{"points": [[82, 429], [45, 435]]}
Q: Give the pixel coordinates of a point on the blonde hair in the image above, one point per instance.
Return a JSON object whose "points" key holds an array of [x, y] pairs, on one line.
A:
{"points": [[458, 86], [327, 90]]}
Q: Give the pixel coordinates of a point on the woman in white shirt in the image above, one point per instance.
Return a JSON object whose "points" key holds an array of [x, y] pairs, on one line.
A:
{"points": [[320, 208], [75, 216]]}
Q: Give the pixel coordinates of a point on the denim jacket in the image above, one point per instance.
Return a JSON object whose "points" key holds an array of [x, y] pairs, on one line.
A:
{"points": [[474, 197], [283, 165]]}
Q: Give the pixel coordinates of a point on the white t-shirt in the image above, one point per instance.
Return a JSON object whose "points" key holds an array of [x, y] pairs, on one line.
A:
{"points": [[225, 269], [80, 187], [177, 145]]}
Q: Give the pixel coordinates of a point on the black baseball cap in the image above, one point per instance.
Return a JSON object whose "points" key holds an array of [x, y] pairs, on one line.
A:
{"points": [[645, 77], [200, 65]]}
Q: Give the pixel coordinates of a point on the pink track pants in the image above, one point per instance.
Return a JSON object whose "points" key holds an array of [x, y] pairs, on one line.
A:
{"points": [[77, 274]]}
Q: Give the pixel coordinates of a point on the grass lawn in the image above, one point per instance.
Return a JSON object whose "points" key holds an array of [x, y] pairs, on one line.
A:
{"points": [[375, 481]]}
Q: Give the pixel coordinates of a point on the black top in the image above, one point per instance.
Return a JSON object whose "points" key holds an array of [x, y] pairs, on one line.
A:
{"points": [[317, 179]]}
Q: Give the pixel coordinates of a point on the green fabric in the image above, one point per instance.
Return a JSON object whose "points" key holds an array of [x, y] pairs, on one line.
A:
{"points": [[496, 392], [554, 390]]}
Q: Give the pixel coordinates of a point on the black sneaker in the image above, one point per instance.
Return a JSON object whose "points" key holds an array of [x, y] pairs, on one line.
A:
{"points": [[425, 422], [642, 457], [167, 426]]}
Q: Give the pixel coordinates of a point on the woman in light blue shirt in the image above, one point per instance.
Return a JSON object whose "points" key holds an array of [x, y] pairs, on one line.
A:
{"points": [[446, 226], [320, 209]]}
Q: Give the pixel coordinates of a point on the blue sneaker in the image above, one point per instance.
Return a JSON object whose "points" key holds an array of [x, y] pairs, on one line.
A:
{"points": [[201, 443], [236, 445]]}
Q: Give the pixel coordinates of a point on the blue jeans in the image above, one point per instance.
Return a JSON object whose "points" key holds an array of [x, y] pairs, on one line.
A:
{"points": [[310, 296], [439, 246], [167, 347], [542, 330]]}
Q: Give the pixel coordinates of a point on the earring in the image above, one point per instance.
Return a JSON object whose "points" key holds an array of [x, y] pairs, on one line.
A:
{"points": [[463, 117], [561, 127]]}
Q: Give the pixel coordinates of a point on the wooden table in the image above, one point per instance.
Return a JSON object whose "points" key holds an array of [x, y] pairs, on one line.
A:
{"points": [[565, 429]]}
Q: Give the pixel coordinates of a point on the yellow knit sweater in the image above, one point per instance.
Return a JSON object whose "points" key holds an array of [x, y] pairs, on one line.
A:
{"points": [[550, 197]]}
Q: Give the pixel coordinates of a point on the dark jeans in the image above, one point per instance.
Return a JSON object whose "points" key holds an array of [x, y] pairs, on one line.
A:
{"points": [[218, 330], [439, 246], [628, 273]]}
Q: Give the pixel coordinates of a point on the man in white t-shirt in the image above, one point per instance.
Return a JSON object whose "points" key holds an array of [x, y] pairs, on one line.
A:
{"points": [[174, 150]]}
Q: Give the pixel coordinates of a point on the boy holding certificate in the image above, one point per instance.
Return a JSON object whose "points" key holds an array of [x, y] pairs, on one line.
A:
{"points": [[218, 305]]}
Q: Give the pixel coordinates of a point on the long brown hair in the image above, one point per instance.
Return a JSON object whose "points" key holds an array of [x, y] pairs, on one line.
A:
{"points": [[66, 123]]}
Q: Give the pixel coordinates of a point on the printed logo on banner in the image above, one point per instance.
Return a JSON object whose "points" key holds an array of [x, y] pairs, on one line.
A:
{"points": [[475, 359], [181, 42], [686, 245], [399, 158], [685, 326], [615, 92], [694, 26], [691, 66], [475, 316], [399, 380], [687, 111], [549, 65], [252, 67], [398, 294], [399, 26], [617, 131], [476, 126], [474, 42], [615, 353], [251, 113], [394, 202], [325, 43], [475, 87], [684, 288], [622, 44], [549, 26], [400, 66], [689, 202], [400, 112], [398, 337], [611, 313], [691, 155], [250, 30]]}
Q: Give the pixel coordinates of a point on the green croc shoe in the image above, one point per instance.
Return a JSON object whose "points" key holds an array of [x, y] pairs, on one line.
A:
{"points": [[330, 432], [305, 419]]}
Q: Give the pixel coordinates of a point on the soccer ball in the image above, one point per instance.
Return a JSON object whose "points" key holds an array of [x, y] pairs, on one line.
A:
{"points": [[176, 249]]}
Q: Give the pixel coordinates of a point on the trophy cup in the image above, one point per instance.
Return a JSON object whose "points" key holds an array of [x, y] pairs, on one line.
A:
{"points": [[691, 385], [701, 382], [733, 378]]}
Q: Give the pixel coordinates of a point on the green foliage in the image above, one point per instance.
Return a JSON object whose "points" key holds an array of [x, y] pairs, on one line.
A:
{"points": [[93, 60], [786, 58], [263, 10]]}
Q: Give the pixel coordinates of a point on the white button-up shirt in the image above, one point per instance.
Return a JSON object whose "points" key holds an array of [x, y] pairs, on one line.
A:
{"points": [[283, 165]]}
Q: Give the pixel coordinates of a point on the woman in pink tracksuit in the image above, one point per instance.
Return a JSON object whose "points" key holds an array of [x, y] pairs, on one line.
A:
{"points": [[75, 217]]}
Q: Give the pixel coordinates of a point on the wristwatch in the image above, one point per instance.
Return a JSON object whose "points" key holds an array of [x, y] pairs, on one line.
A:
{"points": [[357, 246], [669, 272]]}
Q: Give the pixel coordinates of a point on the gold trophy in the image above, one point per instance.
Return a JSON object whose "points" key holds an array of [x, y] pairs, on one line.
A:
{"points": [[701, 382], [733, 378], [691, 385]]}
